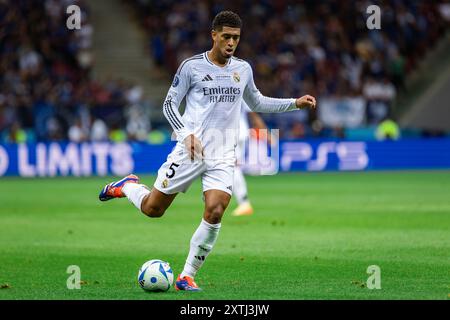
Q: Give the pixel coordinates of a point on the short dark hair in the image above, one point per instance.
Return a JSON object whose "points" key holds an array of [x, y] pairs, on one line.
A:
{"points": [[226, 19]]}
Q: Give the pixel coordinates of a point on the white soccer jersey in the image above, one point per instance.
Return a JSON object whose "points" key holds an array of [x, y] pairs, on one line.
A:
{"points": [[243, 122], [213, 102]]}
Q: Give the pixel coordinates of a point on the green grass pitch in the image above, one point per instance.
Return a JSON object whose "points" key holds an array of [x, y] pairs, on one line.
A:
{"points": [[312, 236]]}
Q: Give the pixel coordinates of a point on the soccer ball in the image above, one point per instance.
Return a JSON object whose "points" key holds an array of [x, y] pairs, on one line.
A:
{"points": [[155, 275]]}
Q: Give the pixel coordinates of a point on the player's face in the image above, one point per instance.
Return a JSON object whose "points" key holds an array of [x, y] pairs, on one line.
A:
{"points": [[227, 40]]}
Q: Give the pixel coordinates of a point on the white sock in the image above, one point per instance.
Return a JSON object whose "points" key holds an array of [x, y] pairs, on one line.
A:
{"points": [[135, 193], [239, 186], [202, 243]]}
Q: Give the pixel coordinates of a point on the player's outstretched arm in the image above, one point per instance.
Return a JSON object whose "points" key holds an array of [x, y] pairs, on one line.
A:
{"points": [[260, 103]]}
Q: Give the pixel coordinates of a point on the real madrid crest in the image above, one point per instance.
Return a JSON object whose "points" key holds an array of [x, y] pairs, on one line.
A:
{"points": [[236, 77]]}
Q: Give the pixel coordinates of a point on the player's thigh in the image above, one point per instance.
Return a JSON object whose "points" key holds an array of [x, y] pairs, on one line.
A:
{"points": [[216, 202], [217, 183], [214, 198]]}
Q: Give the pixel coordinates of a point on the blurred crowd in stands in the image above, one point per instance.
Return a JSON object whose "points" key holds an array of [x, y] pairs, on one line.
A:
{"points": [[323, 48], [47, 92]]}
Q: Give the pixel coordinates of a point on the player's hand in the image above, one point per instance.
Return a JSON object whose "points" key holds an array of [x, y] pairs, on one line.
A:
{"points": [[306, 101], [194, 147]]}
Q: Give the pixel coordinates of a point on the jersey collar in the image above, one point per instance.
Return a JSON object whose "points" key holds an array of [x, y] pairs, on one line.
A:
{"points": [[207, 59]]}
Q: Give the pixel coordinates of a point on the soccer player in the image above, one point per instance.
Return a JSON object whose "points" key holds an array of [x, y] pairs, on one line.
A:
{"points": [[214, 84]]}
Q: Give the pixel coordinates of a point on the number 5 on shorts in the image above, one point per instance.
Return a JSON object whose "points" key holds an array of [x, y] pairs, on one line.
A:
{"points": [[172, 173]]}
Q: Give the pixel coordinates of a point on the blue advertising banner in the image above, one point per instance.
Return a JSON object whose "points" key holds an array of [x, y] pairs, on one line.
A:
{"points": [[85, 159], [365, 155], [103, 158]]}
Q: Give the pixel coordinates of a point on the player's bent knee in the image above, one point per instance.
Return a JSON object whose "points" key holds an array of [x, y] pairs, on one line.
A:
{"points": [[214, 213]]}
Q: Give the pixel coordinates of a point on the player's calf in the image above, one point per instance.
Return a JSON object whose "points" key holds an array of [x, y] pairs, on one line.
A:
{"points": [[216, 201], [155, 204], [152, 211]]}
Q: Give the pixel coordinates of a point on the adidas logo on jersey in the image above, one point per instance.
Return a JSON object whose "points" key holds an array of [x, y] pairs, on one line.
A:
{"points": [[207, 78]]}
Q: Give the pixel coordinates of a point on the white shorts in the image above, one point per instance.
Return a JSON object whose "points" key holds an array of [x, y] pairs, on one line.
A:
{"points": [[178, 173]]}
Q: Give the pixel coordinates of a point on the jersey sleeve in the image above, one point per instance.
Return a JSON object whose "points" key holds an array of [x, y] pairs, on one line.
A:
{"points": [[260, 103], [180, 86]]}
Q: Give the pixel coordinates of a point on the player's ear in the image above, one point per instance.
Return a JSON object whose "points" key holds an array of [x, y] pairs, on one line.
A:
{"points": [[213, 34]]}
